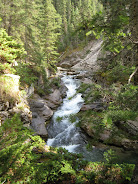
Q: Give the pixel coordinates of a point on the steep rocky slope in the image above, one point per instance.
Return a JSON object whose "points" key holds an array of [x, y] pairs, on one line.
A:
{"points": [[84, 59]]}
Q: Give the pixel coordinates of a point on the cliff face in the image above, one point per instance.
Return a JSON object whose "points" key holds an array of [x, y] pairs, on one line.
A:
{"points": [[85, 59]]}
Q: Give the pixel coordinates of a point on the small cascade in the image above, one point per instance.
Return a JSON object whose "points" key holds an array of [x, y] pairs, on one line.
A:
{"points": [[63, 133]]}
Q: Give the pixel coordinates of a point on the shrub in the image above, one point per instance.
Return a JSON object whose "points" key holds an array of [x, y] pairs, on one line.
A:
{"points": [[25, 159], [127, 97], [27, 73], [121, 115], [118, 73]]}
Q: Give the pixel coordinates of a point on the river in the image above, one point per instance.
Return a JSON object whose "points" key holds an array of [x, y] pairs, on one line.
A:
{"points": [[62, 132]]}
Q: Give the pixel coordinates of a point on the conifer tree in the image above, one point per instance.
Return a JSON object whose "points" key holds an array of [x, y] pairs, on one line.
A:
{"points": [[48, 31]]}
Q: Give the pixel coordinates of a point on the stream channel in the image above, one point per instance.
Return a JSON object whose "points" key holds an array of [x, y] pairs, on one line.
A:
{"points": [[63, 133]]}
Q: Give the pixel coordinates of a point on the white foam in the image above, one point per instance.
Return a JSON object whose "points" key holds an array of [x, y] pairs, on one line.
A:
{"points": [[71, 148]]}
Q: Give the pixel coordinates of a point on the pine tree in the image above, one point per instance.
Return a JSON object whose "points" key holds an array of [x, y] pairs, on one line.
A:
{"points": [[48, 31]]}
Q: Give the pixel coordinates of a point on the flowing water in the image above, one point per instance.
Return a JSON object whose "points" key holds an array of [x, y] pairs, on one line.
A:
{"points": [[63, 133]]}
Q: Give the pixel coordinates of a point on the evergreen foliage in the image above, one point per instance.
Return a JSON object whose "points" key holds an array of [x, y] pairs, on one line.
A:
{"points": [[10, 51], [24, 159]]}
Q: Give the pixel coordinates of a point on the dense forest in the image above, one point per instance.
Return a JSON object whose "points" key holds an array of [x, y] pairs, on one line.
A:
{"points": [[35, 35]]}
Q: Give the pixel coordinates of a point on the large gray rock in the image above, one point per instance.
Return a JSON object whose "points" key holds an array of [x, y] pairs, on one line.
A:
{"points": [[132, 127], [46, 112], [54, 97], [51, 105], [40, 106], [130, 144], [105, 135], [96, 106], [39, 103], [38, 124], [40, 114], [129, 126], [63, 89]]}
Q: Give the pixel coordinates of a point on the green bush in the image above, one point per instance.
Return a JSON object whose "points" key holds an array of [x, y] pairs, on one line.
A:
{"points": [[118, 73], [27, 73], [127, 97], [24, 158], [121, 115], [10, 51]]}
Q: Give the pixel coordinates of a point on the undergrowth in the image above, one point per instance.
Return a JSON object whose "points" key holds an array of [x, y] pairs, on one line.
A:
{"points": [[24, 158]]}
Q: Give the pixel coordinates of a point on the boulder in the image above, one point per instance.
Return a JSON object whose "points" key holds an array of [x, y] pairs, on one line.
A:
{"points": [[65, 65], [86, 107], [96, 106], [40, 106], [46, 112], [39, 103], [63, 89], [40, 113], [3, 116], [105, 135], [132, 127], [38, 124], [51, 105], [129, 126], [130, 144], [87, 81], [54, 97]]}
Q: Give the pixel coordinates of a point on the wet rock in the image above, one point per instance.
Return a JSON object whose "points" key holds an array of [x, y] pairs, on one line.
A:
{"points": [[63, 89]]}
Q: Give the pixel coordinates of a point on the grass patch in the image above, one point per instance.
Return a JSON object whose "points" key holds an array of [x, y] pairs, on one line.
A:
{"points": [[9, 89]]}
